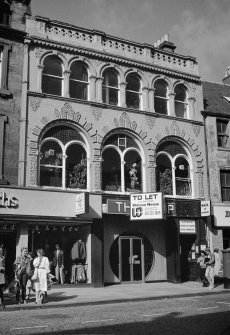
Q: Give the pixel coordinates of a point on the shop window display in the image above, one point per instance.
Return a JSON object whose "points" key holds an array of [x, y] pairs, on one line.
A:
{"points": [[66, 249]]}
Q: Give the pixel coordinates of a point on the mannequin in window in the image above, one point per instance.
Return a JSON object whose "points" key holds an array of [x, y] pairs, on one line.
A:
{"points": [[58, 263]]}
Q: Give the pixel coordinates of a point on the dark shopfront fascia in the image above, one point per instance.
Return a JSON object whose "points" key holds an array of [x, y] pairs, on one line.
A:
{"points": [[41, 218], [171, 256]]}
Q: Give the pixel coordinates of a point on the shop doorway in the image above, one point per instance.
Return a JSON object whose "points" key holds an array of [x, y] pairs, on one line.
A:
{"points": [[188, 263], [8, 241], [131, 259]]}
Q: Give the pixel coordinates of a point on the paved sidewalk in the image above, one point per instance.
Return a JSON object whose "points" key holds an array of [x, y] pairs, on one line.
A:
{"points": [[66, 295]]}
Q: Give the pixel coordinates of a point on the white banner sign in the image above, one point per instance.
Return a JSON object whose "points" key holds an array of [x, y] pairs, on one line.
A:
{"points": [[187, 226], [146, 206], [221, 216], [80, 203], [205, 208]]}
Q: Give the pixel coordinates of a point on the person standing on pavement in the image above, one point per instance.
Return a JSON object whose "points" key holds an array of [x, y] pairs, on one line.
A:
{"points": [[201, 262], [22, 269], [2, 277], [218, 262], [58, 263], [209, 273], [41, 269]]}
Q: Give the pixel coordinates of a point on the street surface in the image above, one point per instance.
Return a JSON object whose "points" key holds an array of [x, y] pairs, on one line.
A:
{"points": [[197, 315]]}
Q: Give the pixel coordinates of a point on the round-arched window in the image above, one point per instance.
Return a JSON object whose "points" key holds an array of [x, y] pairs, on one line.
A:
{"points": [[133, 91], [52, 75], [110, 88], [78, 81]]}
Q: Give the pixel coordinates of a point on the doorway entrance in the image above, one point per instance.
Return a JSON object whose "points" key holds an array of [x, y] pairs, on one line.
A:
{"points": [[131, 259]]}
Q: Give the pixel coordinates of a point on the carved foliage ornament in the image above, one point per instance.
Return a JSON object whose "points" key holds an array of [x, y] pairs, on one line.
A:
{"points": [[35, 102], [125, 122]]}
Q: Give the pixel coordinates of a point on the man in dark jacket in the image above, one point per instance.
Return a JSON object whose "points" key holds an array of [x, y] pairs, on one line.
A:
{"points": [[58, 263]]}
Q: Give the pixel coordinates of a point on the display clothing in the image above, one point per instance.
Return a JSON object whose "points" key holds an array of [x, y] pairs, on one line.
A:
{"points": [[78, 250], [209, 273], [58, 263], [42, 266]]}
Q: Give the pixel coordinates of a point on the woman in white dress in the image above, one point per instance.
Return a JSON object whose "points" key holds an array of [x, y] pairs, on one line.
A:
{"points": [[41, 266]]}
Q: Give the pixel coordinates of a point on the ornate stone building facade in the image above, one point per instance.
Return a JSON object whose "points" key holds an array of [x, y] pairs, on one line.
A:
{"points": [[102, 118]]}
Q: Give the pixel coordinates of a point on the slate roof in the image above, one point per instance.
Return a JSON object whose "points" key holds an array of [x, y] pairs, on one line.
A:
{"points": [[214, 98]]}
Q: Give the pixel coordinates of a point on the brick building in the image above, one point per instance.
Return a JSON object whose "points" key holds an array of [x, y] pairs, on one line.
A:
{"points": [[12, 35], [103, 118], [217, 117]]}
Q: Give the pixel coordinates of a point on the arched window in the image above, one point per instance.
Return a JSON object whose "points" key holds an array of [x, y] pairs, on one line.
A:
{"points": [[121, 165], [63, 159], [78, 81], [133, 91], [52, 75], [181, 101], [173, 173], [110, 89], [161, 97]]}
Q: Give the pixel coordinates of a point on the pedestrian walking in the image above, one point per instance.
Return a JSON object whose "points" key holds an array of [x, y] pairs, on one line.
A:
{"points": [[2, 277], [201, 262], [41, 271], [209, 273], [30, 284], [22, 269], [218, 262]]}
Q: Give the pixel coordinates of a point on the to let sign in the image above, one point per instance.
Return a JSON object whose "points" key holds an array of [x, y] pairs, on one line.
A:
{"points": [[146, 206]]}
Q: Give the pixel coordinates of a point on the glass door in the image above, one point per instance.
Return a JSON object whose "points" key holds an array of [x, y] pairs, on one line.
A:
{"points": [[131, 259]]}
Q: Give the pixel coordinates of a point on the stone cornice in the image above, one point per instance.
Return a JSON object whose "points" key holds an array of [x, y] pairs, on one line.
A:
{"points": [[117, 59]]}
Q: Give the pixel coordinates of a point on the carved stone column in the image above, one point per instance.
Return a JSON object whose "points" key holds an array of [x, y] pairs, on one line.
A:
{"points": [[99, 89], [123, 94], [145, 101], [152, 177], [40, 69], [3, 119], [172, 104], [191, 108], [92, 86], [97, 173], [151, 100], [200, 183], [66, 83]]}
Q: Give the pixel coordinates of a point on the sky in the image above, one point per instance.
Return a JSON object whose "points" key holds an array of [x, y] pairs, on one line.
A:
{"points": [[198, 28]]}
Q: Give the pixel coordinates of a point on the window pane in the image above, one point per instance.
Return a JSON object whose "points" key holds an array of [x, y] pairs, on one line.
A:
{"points": [[132, 100], [50, 176], [111, 170], [180, 109], [51, 85], [78, 71], [133, 83], [164, 175], [110, 78], [160, 89], [110, 95], [183, 187], [180, 92], [76, 167], [52, 66], [78, 90], [51, 154], [182, 168], [160, 105], [133, 179]]}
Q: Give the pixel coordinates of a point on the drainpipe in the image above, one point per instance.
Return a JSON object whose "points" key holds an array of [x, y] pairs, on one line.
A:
{"points": [[23, 119], [209, 218]]}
